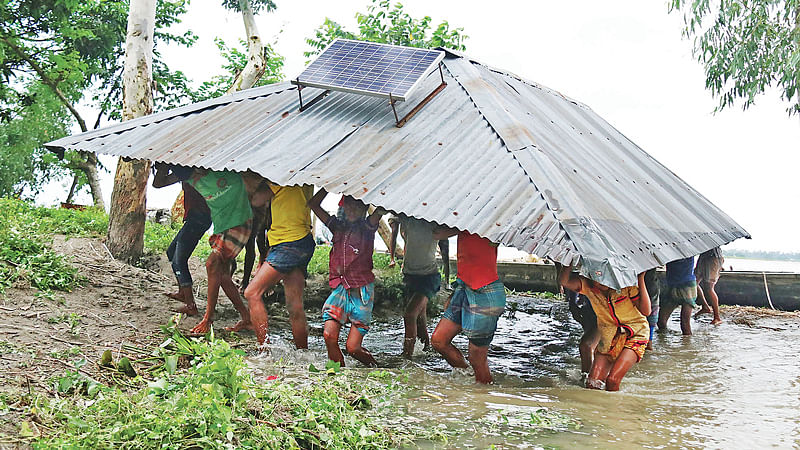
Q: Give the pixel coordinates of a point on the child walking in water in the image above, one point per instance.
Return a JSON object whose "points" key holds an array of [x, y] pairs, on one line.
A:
{"points": [[622, 323], [351, 276]]}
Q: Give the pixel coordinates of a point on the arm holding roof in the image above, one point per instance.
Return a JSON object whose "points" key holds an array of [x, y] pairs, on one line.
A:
{"points": [[569, 280], [164, 175], [643, 304], [395, 225], [315, 203]]}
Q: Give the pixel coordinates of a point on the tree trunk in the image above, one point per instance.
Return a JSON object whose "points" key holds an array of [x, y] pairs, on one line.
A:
{"points": [[91, 172], [385, 232], [128, 201], [256, 63]]}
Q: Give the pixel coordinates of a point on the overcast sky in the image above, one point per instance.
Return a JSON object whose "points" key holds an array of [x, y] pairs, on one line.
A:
{"points": [[624, 59]]}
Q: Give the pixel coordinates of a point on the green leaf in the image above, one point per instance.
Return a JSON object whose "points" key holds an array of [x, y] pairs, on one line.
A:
{"points": [[25, 430], [312, 369], [106, 359], [171, 364], [126, 367]]}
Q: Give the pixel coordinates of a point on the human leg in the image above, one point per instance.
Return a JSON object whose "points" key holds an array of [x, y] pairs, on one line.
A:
{"points": [[422, 329], [599, 372], [356, 350], [293, 284], [227, 284], [709, 288], [330, 334], [414, 308], [589, 340], [442, 342], [478, 359], [663, 315], [265, 278], [686, 319], [249, 261], [626, 359], [701, 299], [215, 266]]}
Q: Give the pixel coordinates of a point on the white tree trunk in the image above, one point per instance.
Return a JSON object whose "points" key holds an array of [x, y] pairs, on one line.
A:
{"points": [[256, 63], [128, 201]]}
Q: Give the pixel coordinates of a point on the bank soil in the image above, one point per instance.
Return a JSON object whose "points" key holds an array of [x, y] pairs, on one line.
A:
{"points": [[118, 307]]}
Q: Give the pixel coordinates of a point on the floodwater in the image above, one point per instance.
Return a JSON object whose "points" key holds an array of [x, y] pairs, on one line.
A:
{"points": [[728, 386]]}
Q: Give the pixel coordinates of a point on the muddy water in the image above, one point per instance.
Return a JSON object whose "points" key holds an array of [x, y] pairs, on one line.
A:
{"points": [[732, 386]]}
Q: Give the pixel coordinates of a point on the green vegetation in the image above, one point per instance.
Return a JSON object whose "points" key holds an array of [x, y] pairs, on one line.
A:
{"points": [[746, 48], [25, 254], [390, 24], [763, 254], [215, 403]]}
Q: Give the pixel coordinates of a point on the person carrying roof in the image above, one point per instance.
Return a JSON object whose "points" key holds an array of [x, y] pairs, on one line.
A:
{"points": [[709, 265], [196, 221], [291, 249], [420, 275], [350, 277], [227, 198], [681, 290], [478, 300], [621, 322]]}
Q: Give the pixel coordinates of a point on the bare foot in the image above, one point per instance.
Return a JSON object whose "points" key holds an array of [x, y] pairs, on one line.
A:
{"points": [[716, 321], [174, 295], [261, 334], [701, 312], [203, 327], [240, 325], [189, 310]]}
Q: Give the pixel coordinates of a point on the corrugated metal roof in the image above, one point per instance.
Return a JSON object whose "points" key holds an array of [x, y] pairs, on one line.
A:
{"points": [[493, 154]]}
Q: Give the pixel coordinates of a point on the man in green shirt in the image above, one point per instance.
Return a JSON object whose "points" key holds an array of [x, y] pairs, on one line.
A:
{"points": [[226, 196]]}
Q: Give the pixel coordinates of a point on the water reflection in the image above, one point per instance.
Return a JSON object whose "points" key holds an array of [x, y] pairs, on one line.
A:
{"points": [[726, 386]]}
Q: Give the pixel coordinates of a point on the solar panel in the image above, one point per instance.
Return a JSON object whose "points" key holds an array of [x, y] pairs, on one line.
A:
{"points": [[370, 68]]}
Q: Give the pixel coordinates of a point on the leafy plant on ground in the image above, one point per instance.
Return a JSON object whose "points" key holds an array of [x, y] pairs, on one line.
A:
{"points": [[216, 403]]}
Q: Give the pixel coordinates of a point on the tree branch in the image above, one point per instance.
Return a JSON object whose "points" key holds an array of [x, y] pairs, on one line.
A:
{"points": [[47, 81]]}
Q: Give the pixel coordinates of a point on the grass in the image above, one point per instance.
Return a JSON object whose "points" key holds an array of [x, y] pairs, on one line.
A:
{"points": [[26, 240], [215, 403]]}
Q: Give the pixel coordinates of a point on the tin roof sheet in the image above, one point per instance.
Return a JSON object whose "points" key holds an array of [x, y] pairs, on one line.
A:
{"points": [[493, 154]]}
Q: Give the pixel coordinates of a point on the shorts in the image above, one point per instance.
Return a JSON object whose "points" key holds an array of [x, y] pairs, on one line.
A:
{"points": [[622, 341], [581, 310], [708, 268], [350, 305], [476, 311], [286, 256], [230, 242], [427, 285], [683, 294]]}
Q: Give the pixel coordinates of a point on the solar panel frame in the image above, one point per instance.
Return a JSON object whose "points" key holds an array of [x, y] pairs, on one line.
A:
{"points": [[365, 85]]}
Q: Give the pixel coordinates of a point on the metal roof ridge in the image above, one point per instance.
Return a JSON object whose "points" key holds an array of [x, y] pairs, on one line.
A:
{"points": [[519, 164], [459, 54], [245, 94]]}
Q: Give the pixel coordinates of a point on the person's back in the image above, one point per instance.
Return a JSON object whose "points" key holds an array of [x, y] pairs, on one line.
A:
{"points": [[421, 278], [477, 302], [291, 216], [226, 197]]}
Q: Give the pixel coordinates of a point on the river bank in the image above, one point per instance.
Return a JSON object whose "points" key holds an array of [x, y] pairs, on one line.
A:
{"points": [[731, 385]]}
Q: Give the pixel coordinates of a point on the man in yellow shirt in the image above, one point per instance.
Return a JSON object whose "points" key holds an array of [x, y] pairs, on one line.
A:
{"points": [[291, 249]]}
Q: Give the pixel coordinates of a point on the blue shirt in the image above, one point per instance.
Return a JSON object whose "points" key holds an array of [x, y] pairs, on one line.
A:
{"points": [[680, 271]]}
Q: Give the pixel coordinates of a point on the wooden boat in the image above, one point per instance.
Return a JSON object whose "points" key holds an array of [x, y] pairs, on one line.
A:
{"points": [[734, 287]]}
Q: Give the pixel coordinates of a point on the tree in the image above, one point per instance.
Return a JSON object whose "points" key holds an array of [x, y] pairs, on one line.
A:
{"points": [[127, 215], [746, 46], [389, 25], [73, 48]]}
